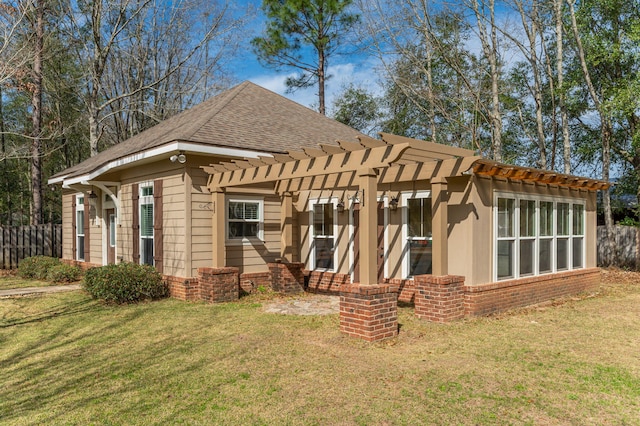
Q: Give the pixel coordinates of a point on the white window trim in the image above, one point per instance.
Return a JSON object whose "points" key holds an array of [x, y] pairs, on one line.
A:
{"points": [[404, 206], [516, 252], [145, 200], [312, 247], [245, 240], [79, 208]]}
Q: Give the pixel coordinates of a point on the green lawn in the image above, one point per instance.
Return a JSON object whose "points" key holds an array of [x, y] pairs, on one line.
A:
{"points": [[9, 282], [66, 359]]}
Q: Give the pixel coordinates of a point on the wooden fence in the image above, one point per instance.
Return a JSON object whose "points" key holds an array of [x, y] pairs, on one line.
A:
{"points": [[627, 246], [18, 242]]}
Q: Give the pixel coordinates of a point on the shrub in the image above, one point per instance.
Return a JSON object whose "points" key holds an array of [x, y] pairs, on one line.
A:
{"points": [[63, 273], [125, 283], [37, 267]]}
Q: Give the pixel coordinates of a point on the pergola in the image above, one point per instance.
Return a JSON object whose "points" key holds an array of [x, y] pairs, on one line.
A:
{"points": [[366, 165]]}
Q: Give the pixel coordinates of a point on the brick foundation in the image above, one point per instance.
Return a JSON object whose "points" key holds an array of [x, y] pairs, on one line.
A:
{"points": [[219, 284], [287, 278], [439, 299], [249, 282], [490, 298], [406, 289], [183, 288], [80, 264], [327, 282], [369, 312]]}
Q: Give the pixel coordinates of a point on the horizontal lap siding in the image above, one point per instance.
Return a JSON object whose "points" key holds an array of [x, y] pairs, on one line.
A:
{"points": [[201, 215], [173, 226], [251, 258], [67, 228]]}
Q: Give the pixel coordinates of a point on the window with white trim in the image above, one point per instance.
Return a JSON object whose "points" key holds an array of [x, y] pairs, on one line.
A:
{"points": [[535, 235], [146, 224], [79, 227], [417, 233], [323, 231], [244, 219], [112, 230]]}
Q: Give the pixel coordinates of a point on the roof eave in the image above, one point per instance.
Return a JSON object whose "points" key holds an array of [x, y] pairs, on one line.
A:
{"points": [[175, 146]]}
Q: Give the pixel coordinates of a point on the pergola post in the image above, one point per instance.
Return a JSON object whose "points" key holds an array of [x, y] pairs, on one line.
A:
{"points": [[218, 228], [439, 198], [368, 186], [286, 228]]}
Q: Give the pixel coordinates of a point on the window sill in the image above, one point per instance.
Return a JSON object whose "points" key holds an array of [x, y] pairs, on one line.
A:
{"points": [[244, 242]]}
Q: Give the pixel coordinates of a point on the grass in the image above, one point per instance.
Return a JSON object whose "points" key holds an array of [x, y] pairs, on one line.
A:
{"points": [[11, 281], [66, 359]]}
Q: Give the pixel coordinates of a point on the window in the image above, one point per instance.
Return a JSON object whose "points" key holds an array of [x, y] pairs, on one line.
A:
{"points": [[577, 247], [416, 233], [323, 227], [112, 230], [549, 236], [506, 237], [146, 224], [80, 228], [244, 219], [419, 240]]}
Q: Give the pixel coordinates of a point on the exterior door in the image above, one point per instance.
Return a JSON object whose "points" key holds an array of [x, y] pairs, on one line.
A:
{"points": [[356, 243], [110, 214]]}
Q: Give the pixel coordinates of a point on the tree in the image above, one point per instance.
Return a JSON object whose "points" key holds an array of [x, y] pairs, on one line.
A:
{"points": [[114, 42], [358, 108], [294, 24]]}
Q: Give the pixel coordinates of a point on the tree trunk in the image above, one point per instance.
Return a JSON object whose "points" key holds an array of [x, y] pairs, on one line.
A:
{"points": [[36, 102], [606, 195], [321, 80], [564, 117]]}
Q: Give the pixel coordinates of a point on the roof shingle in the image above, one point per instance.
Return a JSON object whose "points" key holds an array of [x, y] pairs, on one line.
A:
{"points": [[246, 116]]}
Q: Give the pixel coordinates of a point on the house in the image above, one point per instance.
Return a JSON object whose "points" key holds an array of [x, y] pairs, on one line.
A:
{"points": [[266, 192]]}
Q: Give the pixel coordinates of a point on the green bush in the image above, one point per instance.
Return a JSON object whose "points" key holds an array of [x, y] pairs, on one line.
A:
{"points": [[125, 283], [37, 267], [64, 273]]}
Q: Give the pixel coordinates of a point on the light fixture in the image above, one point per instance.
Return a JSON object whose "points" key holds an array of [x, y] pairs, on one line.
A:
{"points": [[180, 158], [93, 198], [393, 204], [340, 206]]}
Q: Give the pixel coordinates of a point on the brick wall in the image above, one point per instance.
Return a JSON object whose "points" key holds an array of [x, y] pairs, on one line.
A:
{"points": [[327, 282], [80, 264], [249, 282], [183, 288], [369, 312], [287, 278], [406, 289], [219, 284], [439, 299], [486, 299]]}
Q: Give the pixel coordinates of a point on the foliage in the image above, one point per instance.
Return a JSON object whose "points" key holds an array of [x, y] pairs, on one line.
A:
{"points": [[358, 108], [125, 283], [293, 25], [37, 267], [64, 273], [629, 221]]}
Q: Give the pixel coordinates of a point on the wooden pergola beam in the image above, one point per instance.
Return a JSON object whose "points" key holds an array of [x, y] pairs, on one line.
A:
{"points": [[378, 157]]}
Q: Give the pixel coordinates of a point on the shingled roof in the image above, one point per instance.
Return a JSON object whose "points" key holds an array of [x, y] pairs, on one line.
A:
{"points": [[245, 117]]}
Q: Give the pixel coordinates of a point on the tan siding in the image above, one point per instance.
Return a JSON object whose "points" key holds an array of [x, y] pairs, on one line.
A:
{"points": [[95, 230], [67, 230], [200, 222]]}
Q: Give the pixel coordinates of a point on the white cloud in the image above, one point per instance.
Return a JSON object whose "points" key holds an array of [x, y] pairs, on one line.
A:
{"points": [[361, 74]]}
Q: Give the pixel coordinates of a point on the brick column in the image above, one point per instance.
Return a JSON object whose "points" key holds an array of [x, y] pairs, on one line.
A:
{"points": [[369, 312], [219, 284], [287, 278], [439, 299]]}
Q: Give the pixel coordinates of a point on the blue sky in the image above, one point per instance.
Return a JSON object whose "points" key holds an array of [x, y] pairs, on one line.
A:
{"points": [[344, 69]]}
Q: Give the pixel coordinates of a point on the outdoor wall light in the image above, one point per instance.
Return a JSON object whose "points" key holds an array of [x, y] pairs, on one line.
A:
{"points": [[340, 206], [180, 158], [393, 204], [93, 198]]}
